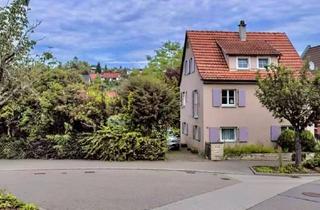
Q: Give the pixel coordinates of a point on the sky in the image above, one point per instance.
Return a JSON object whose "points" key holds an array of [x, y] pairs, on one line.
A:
{"points": [[123, 32]]}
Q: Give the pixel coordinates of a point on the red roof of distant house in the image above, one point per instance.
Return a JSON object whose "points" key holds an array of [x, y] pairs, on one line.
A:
{"points": [[112, 93], [110, 75], [93, 76], [210, 60], [313, 54]]}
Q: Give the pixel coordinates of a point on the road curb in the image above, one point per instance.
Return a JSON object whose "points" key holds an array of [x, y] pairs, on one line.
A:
{"points": [[122, 168]]}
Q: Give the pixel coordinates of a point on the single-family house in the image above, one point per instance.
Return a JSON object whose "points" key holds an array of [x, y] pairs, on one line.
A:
{"points": [[218, 86], [110, 76], [312, 56]]}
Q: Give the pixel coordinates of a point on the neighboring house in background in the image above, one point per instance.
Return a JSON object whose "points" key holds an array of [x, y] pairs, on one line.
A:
{"points": [[110, 76], [218, 85], [312, 56]]}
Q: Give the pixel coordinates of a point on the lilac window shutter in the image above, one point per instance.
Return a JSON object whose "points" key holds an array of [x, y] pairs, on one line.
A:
{"points": [[243, 134], [275, 132], [216, 97], [214, 134], [242, 98]]}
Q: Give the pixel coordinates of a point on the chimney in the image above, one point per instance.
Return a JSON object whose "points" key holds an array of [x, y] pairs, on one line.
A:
{"points": [[242, 30]]}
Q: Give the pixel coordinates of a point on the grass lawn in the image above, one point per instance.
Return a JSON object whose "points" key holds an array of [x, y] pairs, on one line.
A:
{"points": [[287, 169]]}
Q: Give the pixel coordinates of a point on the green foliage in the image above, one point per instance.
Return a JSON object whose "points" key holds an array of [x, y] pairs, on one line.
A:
{"points": [[47, 124], [287, 169], [313, 163], [294, 96], [75, 64], [286, 140], [239, 150], [149, 103], [14, 50], [169, 56], [308, 141], [98, 68], [9, 201], [117, 143]]}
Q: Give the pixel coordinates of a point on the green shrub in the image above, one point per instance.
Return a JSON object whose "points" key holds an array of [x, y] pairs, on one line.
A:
{"points": [[287, 140], [238, 150], [116, 143], [308, 141], [12, 148], [9, 201], [313, 163]]}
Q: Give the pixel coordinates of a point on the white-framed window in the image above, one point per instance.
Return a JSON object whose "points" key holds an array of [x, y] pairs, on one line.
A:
{"points": [[191, 65], [263, 62], [228, 134], [184, 128], [195, 104], [228, 98], [186, 68], [243, 63], [196, 133], [183, 99]]}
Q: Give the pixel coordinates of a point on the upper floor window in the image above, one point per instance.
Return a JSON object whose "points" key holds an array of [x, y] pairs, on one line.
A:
{"points": [[196, 132], [195, 104], [183, 99], [243, 63], [228, 97], [263, 63], [228, 134], [191, 65], [186, 68]]}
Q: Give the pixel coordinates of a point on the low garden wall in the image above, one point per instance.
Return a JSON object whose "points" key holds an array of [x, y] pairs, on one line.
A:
{"points": [[215, 151]]}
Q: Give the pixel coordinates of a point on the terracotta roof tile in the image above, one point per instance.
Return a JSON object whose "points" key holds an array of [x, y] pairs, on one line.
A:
{"points": [[212, 64]]}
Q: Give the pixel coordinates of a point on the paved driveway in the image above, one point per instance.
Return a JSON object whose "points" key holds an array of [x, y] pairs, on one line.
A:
{"points": [[108, 189]]}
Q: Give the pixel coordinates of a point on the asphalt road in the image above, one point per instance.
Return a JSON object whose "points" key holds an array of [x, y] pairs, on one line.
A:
{"points": [[108, 189]]}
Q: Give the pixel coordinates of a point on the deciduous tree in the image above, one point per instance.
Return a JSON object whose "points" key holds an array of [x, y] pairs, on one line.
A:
{"points": [[294, 96]]}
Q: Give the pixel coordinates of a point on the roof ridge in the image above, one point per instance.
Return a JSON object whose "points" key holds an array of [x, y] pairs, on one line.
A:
{"points": [[250, 32]]}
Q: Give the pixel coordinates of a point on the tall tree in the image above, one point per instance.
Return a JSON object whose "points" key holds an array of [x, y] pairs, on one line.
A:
{"points": [[167, 57], [15, 46], [291, 96], [98, 68]]}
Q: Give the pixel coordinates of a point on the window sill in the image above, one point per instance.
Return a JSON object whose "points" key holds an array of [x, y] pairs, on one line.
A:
{"points": [[195, 117], [228, 106]]}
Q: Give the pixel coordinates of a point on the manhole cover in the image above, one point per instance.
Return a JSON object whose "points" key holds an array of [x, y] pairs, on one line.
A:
{"points": [[89, 172], [311, 194], [225, 178]]}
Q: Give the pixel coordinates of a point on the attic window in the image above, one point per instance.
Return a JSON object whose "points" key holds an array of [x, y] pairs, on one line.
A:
{"points": [[263, 63], [243, 63]]}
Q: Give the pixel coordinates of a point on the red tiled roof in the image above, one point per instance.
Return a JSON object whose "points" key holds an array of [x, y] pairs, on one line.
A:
{"points": [[253, 47], [212, 64], [93, 76], [313, 54], [110, 75]]}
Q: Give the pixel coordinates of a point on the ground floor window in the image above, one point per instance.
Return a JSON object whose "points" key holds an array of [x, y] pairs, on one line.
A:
{"points": [[228, 134], [196, 132], [184, 128]]}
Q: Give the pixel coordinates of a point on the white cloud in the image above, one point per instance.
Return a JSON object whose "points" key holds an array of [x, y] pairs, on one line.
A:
{"points": [[125, 31]]}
